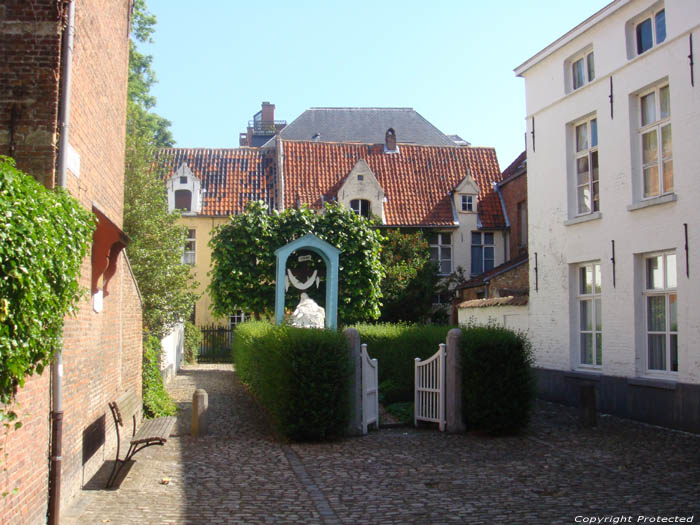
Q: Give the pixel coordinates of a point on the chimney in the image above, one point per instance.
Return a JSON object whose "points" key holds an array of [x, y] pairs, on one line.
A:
{"points": [[390, 140], [268, 112]]}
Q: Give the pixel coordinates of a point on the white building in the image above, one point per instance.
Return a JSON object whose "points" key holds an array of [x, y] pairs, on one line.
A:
{"points": [[613, 152]]}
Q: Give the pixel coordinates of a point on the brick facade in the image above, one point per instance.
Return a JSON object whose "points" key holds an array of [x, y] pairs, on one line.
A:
{"points": [[514, 192], [102, 351]]}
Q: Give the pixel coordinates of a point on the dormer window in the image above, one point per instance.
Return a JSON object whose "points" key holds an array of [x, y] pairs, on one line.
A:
{"points": [[390, 141], [361, 207], [183, 180], [183, 200], [184, 191], [467, 203]]}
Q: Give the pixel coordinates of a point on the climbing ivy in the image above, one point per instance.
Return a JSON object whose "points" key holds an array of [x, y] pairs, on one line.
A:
{"points": [[243, 258], [44, 237]]}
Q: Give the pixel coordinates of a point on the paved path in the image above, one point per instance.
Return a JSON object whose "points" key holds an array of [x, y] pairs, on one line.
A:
{"points": [[239, 473]]}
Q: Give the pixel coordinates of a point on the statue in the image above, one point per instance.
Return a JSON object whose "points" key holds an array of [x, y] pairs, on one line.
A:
{"points": [[308, 314]]}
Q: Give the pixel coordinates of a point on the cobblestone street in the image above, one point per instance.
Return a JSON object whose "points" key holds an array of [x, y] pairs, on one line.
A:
{"points": [[240, 473]]}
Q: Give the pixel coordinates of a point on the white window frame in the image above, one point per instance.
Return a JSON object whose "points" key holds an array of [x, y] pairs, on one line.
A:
{"points": [[466, 203], [482, 247], [592, 297], [236, 318], [359, 208], [190, 256], [587, 152], [441, 252], [652, 18], [587, 61], [669, 292], [658, 125]]}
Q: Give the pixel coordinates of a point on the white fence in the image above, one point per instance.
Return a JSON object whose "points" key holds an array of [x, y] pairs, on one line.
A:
{"points": [[430, 389], [370, 391]]}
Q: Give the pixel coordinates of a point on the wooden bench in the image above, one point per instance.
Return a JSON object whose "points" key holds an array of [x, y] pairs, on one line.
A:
{"points": [[152, 431]]}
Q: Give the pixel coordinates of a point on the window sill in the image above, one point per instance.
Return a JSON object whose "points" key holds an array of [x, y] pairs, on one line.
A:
{"points": [[592, 374], [649, 382], [584, 218], [670, 197]]}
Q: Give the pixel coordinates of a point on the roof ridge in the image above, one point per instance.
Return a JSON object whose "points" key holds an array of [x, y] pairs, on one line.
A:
{"points": [[362, 108]]}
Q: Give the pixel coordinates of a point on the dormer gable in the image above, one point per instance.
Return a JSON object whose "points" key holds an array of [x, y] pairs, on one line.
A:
{"points": [[466, 195], [361, 192], [184, 191]]}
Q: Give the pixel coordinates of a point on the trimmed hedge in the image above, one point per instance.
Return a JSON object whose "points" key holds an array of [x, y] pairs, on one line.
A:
{"points": [[396, 347], [156, 401], [498, 384], [193, 339], [301, 376]]}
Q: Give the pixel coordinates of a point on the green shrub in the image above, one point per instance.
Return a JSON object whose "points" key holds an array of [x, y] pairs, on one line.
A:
{"points": [[498, 384], [156, 401], [396, 347], [44, 237], [301, 376], [193, 339], [401, 411]]}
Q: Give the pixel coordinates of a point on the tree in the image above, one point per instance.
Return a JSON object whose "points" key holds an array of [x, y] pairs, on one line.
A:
{"points": [[243, 272], [409, 283], [157, 241]]}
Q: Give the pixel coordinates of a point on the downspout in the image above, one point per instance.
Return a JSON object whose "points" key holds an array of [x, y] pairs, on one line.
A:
{"points": [[54, 510]]}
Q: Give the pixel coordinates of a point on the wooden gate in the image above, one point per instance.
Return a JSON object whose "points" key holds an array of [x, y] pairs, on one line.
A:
{"points": [[430, 389], [370, 391]]}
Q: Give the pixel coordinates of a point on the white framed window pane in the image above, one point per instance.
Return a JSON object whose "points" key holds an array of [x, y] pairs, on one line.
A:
{"points": [[673, 312], [598, 316], [445, 266], [668, 176], [650, 147], [446, 238], [584, 199], [432, 238], [660, 23], [488, 239], [577, 73], [666, 141], [434, 253], [648, 109], [587, 349], [597, 279], [674, 352], [651, 181], [655, 272], [671, 275], [656, 313], [582, 170], [665, 100], [585, 280], [586, 315], [644, 36], [582, 137], [598, 349], [594, 133], [446, 252], [657, 352], [591, 66]]}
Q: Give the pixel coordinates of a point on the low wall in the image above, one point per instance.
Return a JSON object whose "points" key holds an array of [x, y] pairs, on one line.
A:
{"points": [[172, 353], [513, 317]]}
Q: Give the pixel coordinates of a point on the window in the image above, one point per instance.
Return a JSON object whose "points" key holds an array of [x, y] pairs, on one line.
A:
{"points": [[238, 317], [360, 178], [522, 218], [360, 206], [441, 251], [482, 252], [183, 200], [190, 251], [661, 306], [183, 180], [586, 169], [582, 70], [467, 203], [590, 315], [655, 133], [650, 31]]}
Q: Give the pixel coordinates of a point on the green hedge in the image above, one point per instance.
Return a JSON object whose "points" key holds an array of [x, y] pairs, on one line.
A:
{"points": [[156, 401], [396, 347], [301, 376], [498, 384], [193, 339]]}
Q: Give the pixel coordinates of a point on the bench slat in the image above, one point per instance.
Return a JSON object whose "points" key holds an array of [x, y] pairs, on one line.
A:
{"points": [[154, 430]]}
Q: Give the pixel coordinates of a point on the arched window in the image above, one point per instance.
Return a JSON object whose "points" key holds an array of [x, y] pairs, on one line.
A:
{"points": [[360, 206], [390, 140], [183, 200]]}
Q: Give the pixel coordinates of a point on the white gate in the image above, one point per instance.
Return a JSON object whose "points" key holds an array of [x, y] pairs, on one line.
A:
{"points": [[370, 391], [430, 389]]}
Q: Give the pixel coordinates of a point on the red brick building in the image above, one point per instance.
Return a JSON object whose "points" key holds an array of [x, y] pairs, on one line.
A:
{"points": [[102, 345]]}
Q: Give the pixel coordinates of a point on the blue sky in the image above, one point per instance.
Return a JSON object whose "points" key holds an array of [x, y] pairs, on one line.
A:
{"points": [[452, 61]]}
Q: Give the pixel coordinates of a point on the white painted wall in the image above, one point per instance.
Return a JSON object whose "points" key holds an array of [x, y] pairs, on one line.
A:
{"points": [[560, 245], [172, 352], [513, 317]]}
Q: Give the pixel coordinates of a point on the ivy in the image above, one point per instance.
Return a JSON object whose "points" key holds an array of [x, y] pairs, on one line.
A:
{"points": [[44, 237], [243, 258]]}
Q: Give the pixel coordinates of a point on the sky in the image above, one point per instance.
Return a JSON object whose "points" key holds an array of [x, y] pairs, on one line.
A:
{"points": [[452, 61]]}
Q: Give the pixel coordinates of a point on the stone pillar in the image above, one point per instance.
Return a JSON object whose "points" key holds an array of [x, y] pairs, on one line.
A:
{"points": [[453, 383], [355, 423], [200, 403]]}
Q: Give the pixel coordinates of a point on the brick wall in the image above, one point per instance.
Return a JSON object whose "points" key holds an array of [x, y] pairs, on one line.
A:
{"points": [[102, 351], [515, 195]]}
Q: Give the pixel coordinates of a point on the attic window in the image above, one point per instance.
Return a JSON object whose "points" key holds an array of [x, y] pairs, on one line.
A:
{"points": [[360, 178], [360, 206], [390, 141], [183, 200], [183, 180]]}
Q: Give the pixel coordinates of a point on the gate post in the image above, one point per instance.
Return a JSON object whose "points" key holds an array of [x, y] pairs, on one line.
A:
{"points": [[355, 422], [453, 383]]}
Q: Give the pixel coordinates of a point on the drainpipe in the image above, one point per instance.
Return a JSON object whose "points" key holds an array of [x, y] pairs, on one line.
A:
{"points": [[54, 510]]}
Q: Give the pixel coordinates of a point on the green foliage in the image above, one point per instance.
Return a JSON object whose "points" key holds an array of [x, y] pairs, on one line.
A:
{"points": [[166, 285], [44, 237], [156, 401], [401, 411], [301, 376], [409, 283], [243, 259], [498, 385], [193, 339], [396, 347]]}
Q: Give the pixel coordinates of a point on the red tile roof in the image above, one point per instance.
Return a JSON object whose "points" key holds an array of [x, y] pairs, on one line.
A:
{"points": [[417, 181], [230, 177]]}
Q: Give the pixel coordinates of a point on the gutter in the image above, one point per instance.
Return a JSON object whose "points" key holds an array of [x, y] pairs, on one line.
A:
{"points": [[54, 503]]}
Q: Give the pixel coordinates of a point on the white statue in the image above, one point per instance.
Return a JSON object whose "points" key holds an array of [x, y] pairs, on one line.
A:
{"points": [[308, 314]]}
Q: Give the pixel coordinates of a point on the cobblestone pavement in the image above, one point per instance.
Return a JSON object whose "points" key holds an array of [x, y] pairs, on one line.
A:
{"points": [[240, 473]]}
